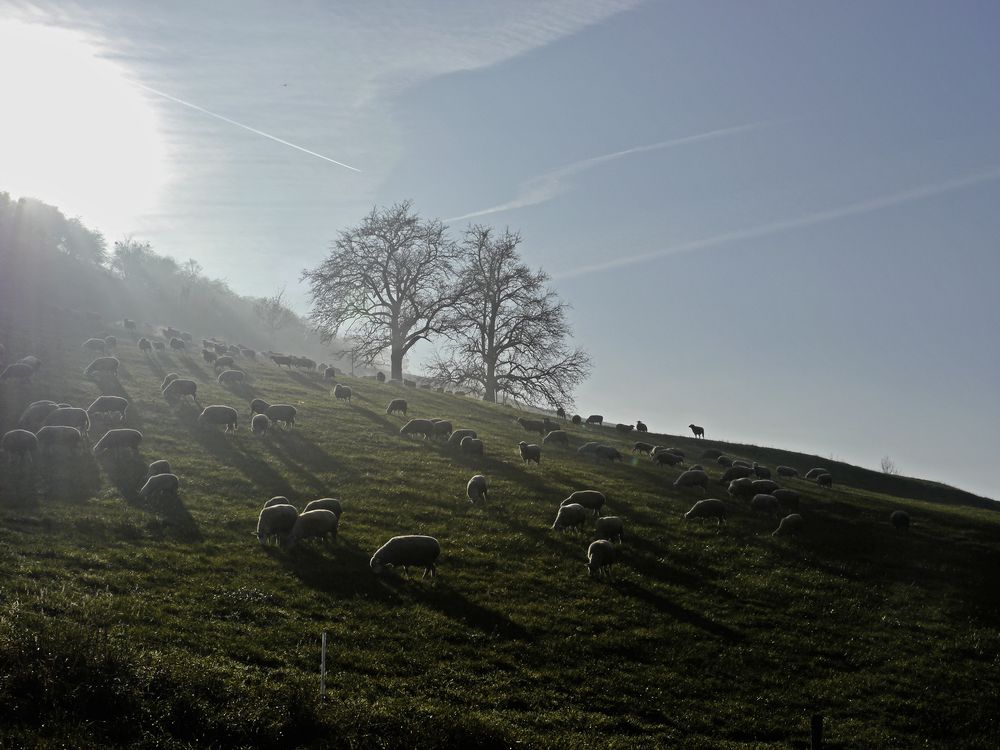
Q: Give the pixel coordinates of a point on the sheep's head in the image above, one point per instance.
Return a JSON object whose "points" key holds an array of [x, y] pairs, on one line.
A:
{"points": [[377, 565]]}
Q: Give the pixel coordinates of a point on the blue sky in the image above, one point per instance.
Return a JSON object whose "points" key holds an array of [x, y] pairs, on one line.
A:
{"points": [[775, 219]]}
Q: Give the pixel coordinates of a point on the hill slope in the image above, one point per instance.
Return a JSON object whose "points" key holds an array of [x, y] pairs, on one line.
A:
{"points": [[125, 622]]}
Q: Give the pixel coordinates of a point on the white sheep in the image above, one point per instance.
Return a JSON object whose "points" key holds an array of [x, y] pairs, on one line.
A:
{"points": [[118, 439], [169, 378], [103, 364], [177, 389], [764, 486], [787, 499], [791, 524], [457, 436], [708, 508], [161, 466], [259, 424], [764, 503], [824, 480], [404, 551], [259, 406], [282, 413], [600, 558], [589, 499], [275, 521], [52, 436], [610, 528], [109, 405], [19, 444], [472, 445], [217, 414], [424, 427], [477, 488], [787, 471], [278, 500], [17, 371], [69, 416], [159, 484], [34, 415], [693, 478], [398, 406], [231, 377], [331, 504], [570, 517], [741, 488], [556, 437], [311, 524]]}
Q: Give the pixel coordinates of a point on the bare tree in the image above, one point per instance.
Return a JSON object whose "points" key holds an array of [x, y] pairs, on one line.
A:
{"points": [[274, 313], [889, 466], [387, 282], [508, 333]]}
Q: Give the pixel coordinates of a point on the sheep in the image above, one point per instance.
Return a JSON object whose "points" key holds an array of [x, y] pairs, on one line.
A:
{"points": [[899, 519], [561, 413], [529, 452], [708, 508], [424, 427], [409, 383], [259, 406], [186, 337], [162, 466], [313, 523], [577, 419], [569, 517], [472, 445], [710, 454], [457, 436], [117, 439], [52, 436], [741, 487], [791, 524], [764, 503], [786, 471], [209, 356], [676, 451], [169, 378], [600, 558], [624, 428], [608, 453], [587, 449], [181, 387], [610, 527], [556, 437], [380, 376], [477, 488], [442, 428], [111, 341], [532, 425], [34, 415], [640, 427], [278, 500], [220, 349], [103, 364], [144, 345], [724, 461], [741, 462], [221, 363], [248, 353], [735, 472], [697, 467], [764, 486], [128, 324], [259, 424], [342, 392], [589, 499], [95, 345], [693, 478], [17, 371], [231, 377], [667, 459], [217, 414], [69, 416], [159, 346], [813, 473], [331, 504], [109, 405], [19, 444], [646, 448], [275, 521], [787, 499], [329, 373], [699, 432], [31, 361], [282, 413], [761, 472], [549, 425], [824, 480], [595, 419], [159, 484], [171, 332], [177, 344], [404, 551]]}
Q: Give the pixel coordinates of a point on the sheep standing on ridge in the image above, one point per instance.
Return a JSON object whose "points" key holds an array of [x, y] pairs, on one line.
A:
{"points": [[404, 551], [600, 558], [595, 419], [699, 432], [477, 489], [640, 427], [529, 452]]}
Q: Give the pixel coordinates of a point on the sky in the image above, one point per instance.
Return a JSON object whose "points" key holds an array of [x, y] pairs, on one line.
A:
{"points": [[778, 220]]}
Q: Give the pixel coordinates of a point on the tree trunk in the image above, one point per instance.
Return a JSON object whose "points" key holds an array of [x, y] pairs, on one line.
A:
{"points": [[490, 386], [396, 362]]}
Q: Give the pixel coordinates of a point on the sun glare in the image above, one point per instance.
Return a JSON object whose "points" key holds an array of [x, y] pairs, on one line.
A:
{"points": [[73, 131]]}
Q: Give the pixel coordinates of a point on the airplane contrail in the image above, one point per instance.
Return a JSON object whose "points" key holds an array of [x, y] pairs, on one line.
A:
{"points": [[818, 217], [245, 127], [548, 185]]}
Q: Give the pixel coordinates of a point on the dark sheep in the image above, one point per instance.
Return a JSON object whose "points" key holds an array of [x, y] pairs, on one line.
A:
{"points": [[471, 445], [646, 448], [640, 427], [900, 520], [556, 437], [532, 425], [699, 432], [786, 471], [577, 419], [177, 344], [595, 419], [529, 452], [424, 427]]}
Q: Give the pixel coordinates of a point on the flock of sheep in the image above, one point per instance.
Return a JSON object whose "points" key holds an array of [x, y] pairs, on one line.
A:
{"points": [[47, 426]]}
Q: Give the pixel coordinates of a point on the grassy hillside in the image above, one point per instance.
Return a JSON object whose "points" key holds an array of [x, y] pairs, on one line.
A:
{"points": [[168, 625]]}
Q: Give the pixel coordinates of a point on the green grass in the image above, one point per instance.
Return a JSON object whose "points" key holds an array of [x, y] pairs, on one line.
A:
{"points": [[168, 625]]}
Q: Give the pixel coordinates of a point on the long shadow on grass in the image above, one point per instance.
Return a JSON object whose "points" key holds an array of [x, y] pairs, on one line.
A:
{"points": [[194, 367], [451, 603], [304, 380], [303, 456], [340, 570], [155, 366], [19, 483], [672, 609], [69, 476]]}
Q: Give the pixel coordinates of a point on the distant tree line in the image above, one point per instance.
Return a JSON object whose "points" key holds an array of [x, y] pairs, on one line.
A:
{"points": [[396, 279]]}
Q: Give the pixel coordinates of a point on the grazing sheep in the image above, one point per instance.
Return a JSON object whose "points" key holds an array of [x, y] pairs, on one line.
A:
{"points": [[710, 454], [17, 371], [472, 445], [442, 428], [786, 471], [424, 427], [610, 527], [693, 478], [169, 378], [181, 387], [699, 432], [742, 487], [787, 499], [342, 392], [708, 508], [159, 484], [595, 419], [813, 473], [111, 341], [477, 488], [824, 480], [159, 346], [95, 345], [735, 472], [404, 551], [665, 458], [646, 448], [103, 364], [109, 405], [53, 436], [312, 524], [725, 461], [600, 558], [608, 453], [457, 436], [791, 524], [231, 377], [259, 424], [640, 427], [570, 517], [764, 503], [397, 406], [556, 437], [331, 504], [899, 519], [221, 363], [589, 499], [177, 344], [162, 466], [209, 356], [587, 449], [741, 462], [577, 419], [19, 444], [259, 406], [282, 413], [118, 439], [145, 345], [761, 472], [676, 451], [532, 425], [764, 486], [275, 521], [217, 414], [278, 500], [624, 428], [34, 416], [529, 452], [69, 416]]}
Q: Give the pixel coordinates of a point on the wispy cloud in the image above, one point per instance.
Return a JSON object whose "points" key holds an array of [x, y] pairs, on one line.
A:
{"points": [[548, 185], [818, 217]]}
